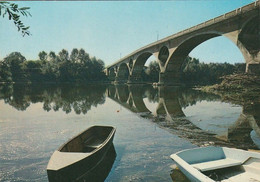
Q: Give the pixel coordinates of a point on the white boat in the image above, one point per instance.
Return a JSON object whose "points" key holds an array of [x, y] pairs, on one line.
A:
{"points": [[209, 164]]}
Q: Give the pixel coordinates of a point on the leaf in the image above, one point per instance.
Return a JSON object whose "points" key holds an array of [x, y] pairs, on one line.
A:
{"points": [[26, 28], [24, 8], [10, 16], [14, 13]]}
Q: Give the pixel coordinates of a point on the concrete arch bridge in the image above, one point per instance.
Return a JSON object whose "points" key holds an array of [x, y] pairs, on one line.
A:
{"points": [[241, 26]]}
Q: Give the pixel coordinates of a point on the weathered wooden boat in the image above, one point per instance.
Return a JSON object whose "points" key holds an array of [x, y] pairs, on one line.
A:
{"points": [[80, 154], [209, 164]]}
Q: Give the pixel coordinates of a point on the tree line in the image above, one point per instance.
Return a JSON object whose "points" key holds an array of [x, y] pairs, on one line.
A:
{"points": [[194, 72], [77, 66]]}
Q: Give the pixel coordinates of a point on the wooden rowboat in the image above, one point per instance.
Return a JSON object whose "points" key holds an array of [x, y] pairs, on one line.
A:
{"points": [[80, 154], [209, 164], [102, 170]]}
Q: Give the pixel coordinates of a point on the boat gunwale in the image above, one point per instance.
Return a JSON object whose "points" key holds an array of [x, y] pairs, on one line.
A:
{"points": [[183, 165], [112, 132]]}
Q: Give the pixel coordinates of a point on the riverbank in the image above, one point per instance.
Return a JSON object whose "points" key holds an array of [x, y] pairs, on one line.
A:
{"points": [[238, 88]]}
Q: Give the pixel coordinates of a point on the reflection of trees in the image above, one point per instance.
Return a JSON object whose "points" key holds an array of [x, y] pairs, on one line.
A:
{"points": [[6, 91], [152, 95], [18, 100], [190, 97], [80, 99]]}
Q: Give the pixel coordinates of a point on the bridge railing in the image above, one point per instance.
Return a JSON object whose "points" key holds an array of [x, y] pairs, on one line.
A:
{"points": [[230, 14]]}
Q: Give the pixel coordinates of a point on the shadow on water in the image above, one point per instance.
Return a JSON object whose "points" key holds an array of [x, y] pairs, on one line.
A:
{"points": [[98, 174], [178, 176]]}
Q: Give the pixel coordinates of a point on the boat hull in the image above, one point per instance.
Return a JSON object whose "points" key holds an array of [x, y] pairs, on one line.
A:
{"points": [[79, 168]]}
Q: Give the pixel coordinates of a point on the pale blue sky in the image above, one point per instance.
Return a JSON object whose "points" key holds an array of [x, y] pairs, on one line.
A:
{"points": [[108, 29]]}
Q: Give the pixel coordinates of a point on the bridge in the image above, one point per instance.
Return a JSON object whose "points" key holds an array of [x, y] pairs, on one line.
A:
{"points": [[241, 26]]}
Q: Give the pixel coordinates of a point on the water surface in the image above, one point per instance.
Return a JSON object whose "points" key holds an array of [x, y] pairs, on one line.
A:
{"points": [[152, 123]]}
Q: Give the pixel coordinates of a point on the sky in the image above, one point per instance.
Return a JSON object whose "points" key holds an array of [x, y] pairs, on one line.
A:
{"points": [[110, 30]]}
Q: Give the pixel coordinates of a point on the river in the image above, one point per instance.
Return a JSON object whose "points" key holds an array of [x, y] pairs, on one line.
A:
{"points": [[151, 124]]}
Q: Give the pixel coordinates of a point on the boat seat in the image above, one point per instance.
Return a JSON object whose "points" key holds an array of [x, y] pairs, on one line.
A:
{"points": [[217, 164]]}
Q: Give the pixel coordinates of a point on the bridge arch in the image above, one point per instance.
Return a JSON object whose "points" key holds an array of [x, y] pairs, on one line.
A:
{"points": [[122, 73], [138, 66], [173, 65], [111, 74], [140, 61], [176, 59], [123, 93]]}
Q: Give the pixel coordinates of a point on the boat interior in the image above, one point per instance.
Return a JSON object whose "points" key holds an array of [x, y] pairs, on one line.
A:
{"points": [[249, 171], [225, 164], [88, 140]]}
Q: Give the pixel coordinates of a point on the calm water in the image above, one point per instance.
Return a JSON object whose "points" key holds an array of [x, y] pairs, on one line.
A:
{"points": [[151, 123]]}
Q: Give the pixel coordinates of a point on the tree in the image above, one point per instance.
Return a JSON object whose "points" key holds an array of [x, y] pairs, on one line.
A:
{"points": [[64, 55], [52, 56], [42, 56], [153, 71], [5, 72], [83, 56], [33, 70], [15, 61], [74, 55], [14, 13]]}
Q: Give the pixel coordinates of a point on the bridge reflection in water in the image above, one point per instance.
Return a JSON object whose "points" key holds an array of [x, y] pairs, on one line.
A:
{"points": [[169, 114]]}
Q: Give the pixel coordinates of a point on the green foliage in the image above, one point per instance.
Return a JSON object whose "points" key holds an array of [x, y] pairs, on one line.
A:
{"points": [[15, 62], [52, 56], [33, 71], [5, 72], [42, 56], [14, 12], [151, 73], [77, 67], [196, 73]]}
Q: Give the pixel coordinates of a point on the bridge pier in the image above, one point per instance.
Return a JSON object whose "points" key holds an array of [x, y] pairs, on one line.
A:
{"points": [[135, 79], [119, 80], [170, 78], [122, 74], [253, 68]]}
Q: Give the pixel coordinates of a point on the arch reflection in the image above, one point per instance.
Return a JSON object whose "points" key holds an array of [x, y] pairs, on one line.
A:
{"points": [[168, 113]]}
